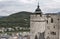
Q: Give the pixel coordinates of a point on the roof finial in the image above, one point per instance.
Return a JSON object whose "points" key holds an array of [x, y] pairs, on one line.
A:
{"points": [[38, 4]]}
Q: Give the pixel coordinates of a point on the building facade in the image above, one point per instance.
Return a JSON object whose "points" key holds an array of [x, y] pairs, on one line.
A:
{"points": [[44, 26]]}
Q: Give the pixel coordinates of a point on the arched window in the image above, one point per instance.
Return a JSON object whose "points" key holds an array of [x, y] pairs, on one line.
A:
{"points": [[51, 20], [36, 37]]}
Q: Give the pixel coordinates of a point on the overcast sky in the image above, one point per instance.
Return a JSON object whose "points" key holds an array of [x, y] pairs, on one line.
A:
{"points": [[8, 7]]}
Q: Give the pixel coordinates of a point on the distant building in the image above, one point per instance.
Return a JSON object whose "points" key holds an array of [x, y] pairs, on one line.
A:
{"points": [[4, 37], [44, 26]]}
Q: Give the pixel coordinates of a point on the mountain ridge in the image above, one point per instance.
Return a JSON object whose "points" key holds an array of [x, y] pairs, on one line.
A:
{"points": [[17, 18]]}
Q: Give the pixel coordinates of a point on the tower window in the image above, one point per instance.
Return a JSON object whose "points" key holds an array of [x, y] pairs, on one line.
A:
{"points": [[41, 15], [54, 26], [47, 21], [36, 37], [51, 20], [53, 33]]}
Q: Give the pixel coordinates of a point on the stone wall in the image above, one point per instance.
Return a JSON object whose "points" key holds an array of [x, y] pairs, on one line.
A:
{"points": [[50, 24], [37, 25], [52, 28]]}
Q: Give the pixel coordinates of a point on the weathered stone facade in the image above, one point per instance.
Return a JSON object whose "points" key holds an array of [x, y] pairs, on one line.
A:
{"points": [[44, 26]]}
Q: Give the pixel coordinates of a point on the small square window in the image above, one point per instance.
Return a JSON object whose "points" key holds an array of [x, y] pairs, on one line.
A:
{"points": [[54, 26]]}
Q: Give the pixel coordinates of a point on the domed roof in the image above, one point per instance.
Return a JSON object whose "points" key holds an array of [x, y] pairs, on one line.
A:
{"points": [[38, 10]]}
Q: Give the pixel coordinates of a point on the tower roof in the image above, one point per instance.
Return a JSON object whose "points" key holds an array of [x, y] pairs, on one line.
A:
{"points": [[38, 10]]}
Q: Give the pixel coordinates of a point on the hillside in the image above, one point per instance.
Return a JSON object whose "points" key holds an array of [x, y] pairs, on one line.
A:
{"points": [[19, 20]]}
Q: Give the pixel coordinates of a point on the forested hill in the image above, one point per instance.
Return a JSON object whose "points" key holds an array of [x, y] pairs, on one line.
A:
{"points": [[20, 19]]}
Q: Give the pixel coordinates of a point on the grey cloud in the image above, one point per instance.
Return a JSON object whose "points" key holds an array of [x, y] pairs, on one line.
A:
{"points": [[12, 6]]}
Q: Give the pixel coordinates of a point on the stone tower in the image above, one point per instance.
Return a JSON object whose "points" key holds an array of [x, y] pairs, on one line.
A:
{"points": [[44, 26], [37, 24]]}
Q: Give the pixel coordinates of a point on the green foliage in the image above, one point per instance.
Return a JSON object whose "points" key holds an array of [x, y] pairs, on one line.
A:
{"points": [[20, 19]]}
